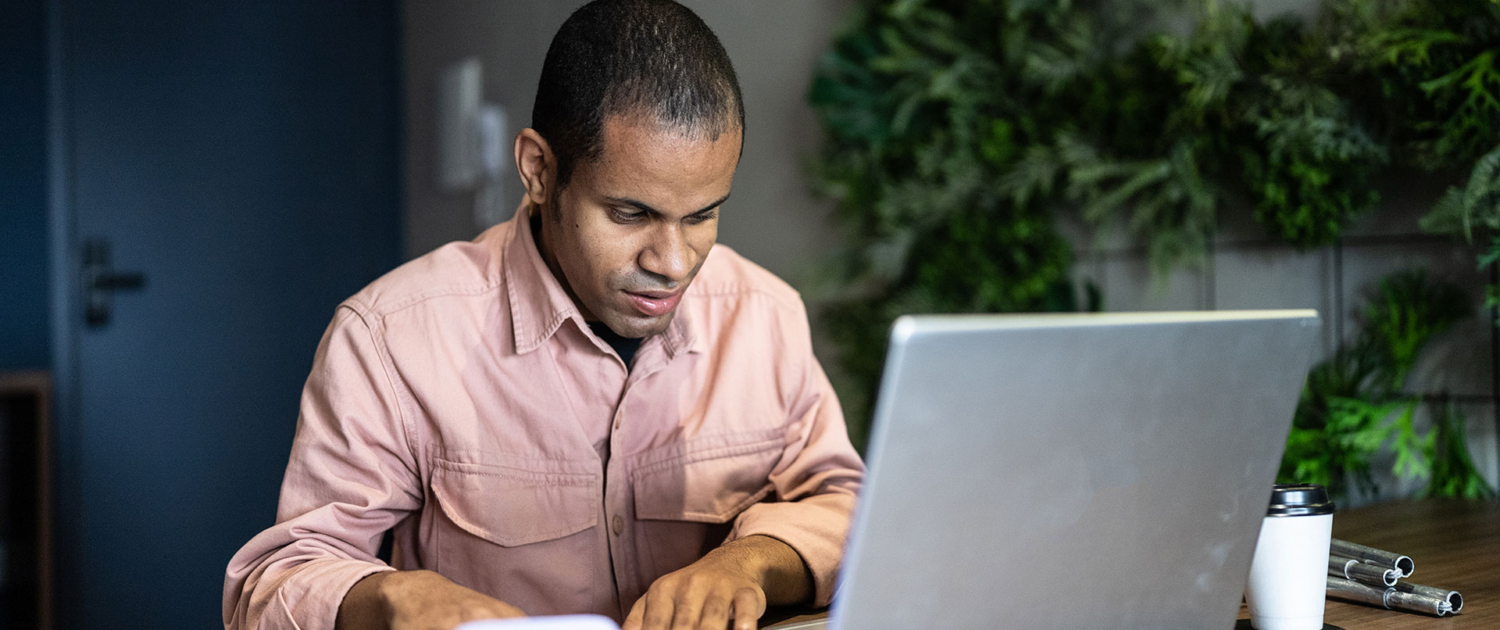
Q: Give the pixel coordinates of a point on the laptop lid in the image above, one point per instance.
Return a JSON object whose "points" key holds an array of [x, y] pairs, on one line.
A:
{"points": [[1071, 471]]}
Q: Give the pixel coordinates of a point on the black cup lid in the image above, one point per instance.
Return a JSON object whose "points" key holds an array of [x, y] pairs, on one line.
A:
{"points": [[1299, 500]]}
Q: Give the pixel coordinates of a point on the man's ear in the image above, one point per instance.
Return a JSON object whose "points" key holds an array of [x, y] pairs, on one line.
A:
{"points": [[537, 166]]}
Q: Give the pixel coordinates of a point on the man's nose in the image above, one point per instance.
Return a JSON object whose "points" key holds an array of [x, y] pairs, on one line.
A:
{"points": [[668, 254]]}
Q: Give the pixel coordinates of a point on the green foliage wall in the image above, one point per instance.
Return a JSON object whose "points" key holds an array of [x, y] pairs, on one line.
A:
{"points": [[958, 131], [1355, 402]]}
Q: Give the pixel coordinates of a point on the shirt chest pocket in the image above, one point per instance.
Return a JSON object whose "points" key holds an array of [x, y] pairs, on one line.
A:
{"points": [[514, 506], [706, 481]]}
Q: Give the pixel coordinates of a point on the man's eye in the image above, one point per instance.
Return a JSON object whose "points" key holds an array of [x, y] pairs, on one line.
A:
{"points": [[628, 217], [702, 216]]}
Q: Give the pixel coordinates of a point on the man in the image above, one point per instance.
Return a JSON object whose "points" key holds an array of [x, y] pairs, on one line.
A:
{"points": [[590, 408]]}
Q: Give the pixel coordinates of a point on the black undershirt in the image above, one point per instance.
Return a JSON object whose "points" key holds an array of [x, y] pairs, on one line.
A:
{"points": [[624, 346]]}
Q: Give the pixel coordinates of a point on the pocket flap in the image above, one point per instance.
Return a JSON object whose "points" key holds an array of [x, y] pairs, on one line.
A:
{"points": [[511, 506], [707, 485]]}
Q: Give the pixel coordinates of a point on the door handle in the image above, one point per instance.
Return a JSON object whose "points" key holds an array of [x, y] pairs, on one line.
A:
{"points": [[100, 282]]}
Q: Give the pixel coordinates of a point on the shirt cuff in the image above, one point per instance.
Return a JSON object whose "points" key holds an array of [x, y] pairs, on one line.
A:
{"points": [[310, 599], [815, 527]]}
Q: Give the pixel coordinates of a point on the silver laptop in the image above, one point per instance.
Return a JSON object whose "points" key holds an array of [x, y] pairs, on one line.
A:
{"points": [[1071, 471]]}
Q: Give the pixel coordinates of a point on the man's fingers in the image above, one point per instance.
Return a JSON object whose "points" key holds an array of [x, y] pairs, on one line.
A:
{"points": [[636, 616], [659, 607], [688, 605], [506, 611], [749, 605], [474, 611], [715, 614]]}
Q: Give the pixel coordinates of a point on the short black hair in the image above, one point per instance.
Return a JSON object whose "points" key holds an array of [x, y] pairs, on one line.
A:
{"points": [[632, 57]]}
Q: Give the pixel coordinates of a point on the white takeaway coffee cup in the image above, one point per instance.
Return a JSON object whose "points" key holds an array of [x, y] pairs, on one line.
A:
{"points": [[1289, 572]]}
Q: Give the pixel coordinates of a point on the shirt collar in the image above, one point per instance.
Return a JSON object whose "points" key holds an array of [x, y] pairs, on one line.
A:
{"points": [[539, 305]]}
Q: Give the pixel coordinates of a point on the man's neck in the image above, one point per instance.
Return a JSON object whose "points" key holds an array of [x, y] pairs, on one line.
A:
{"points": [[539, 235]]}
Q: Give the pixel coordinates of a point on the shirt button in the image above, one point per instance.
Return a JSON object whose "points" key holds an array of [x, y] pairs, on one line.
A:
{"points": [[618, 524]]}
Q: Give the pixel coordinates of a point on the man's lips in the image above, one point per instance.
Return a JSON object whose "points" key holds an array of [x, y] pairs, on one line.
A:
{"points": [[655, 303]]}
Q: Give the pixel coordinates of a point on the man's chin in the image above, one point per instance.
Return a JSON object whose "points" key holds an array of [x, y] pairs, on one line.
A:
{"points": [[638, 326]]}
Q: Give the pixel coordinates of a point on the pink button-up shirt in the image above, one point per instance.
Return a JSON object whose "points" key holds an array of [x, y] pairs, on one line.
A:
{"points": [[462, 402]]}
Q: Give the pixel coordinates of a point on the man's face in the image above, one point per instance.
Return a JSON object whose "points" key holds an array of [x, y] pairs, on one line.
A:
{"points": [[632, 227]]}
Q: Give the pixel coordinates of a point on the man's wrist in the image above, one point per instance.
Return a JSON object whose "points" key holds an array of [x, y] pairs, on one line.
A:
{"points": [[365, 605], [779, 569], [392, 597]]}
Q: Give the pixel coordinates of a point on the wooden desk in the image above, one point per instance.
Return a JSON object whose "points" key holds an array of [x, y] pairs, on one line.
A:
{"points": [[1455, 545]]}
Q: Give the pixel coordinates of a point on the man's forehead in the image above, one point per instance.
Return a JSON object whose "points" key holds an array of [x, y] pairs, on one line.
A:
{"points": [[643, 132], [671, 170]]}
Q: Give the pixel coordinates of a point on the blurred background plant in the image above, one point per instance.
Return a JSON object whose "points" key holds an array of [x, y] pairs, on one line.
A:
{"points": [[1473, 211], [959, 133], [1354, 402]]}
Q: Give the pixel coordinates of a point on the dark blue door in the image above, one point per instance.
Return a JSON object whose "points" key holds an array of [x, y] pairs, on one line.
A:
{"points": [[243, 158]]}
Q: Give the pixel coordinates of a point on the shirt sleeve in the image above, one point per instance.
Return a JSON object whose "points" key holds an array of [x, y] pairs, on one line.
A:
{"points": [[351, 477], [815, 483]]}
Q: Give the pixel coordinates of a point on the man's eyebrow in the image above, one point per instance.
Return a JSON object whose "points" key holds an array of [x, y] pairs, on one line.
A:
{"points": [[645, 207]]}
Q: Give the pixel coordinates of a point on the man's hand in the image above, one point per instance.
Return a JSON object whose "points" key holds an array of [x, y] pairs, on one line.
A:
{"points": [[734, 582], [415, 600]]}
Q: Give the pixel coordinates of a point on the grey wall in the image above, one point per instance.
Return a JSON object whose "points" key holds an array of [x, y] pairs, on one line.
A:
{"points": [[774, 45]]}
